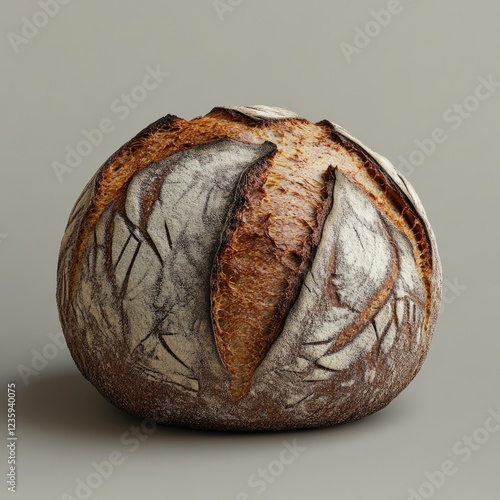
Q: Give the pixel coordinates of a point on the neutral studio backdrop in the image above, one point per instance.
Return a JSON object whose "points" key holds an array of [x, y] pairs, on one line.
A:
{"points": [[392, 73]]}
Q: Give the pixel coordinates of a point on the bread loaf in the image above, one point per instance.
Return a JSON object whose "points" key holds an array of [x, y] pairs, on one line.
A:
{"points": [[248, 270]]}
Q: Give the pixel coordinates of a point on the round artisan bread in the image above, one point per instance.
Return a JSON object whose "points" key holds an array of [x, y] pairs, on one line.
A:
{"points": [[248, 269]]}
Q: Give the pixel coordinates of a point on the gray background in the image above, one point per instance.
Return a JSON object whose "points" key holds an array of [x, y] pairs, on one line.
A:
{"points": [[283, 53]]}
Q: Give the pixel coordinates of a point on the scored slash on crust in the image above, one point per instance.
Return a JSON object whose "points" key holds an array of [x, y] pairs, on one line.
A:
{"points": [[258, 270]]}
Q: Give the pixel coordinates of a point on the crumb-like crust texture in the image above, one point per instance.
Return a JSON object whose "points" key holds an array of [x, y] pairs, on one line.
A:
{"points": [[246, 270]]}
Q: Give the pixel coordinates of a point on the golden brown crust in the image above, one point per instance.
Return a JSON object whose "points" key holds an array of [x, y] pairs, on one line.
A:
{"points": [[146, 147], [313, 370], [170, 135], [299, 143], [266, 249]]}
